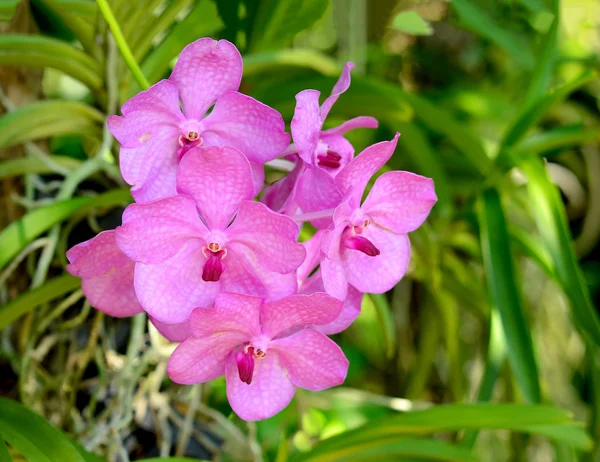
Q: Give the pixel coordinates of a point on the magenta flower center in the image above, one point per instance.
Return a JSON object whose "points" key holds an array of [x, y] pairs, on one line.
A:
{"points": [[244, 359], [187, 142], [352, 239], [327, 157], [213, 267]]}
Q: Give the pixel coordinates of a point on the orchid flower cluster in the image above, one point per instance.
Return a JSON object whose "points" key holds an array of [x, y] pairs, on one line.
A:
{"points": [[224, 274]]}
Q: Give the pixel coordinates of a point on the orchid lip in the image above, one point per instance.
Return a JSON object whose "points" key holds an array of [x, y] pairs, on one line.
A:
{"points": [[213, 267], [244, 359], [330, 159], [362, 244]]}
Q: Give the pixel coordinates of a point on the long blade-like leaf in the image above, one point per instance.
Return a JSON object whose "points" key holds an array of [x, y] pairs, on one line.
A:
{"points": [[499, 269]]}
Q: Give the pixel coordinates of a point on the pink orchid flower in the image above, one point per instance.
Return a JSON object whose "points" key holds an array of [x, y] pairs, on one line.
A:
{"points": [[265, 350], [367, 245], [321, 154], [107, 281], [154, 133], [106, 273], [187, 249], [310, 282]]}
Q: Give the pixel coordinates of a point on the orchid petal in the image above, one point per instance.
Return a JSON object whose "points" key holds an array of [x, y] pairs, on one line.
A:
{"points": [[201, 360], [172, 332], [205, 70], [378, 274], [271, 237], [270, 391], [340, 87], [350, 309], [400, 201], [352, 124], [107, 275], [281, 195], [169, 291], [334, 278], [318, 308], [317, 191], [244, 274], [219, 178], [231, 313], [341, 146], [246, 124], [358, 172], [306, 124], [313, 256], [313, 361], [155, 231]]}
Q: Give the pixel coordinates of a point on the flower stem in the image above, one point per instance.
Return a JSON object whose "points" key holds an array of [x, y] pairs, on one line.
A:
{"points": [[122, 43], [314, 215]]}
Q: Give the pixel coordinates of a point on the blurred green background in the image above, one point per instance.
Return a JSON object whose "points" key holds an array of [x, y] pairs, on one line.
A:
{"points": [[487, 350]]}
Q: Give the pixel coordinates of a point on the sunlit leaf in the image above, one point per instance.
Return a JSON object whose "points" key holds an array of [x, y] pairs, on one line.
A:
{"points": [[548, 210], [49, 118], [33, 436], [392, 449], [7, 9], [39, 51], [410, 22], [23, 165]]}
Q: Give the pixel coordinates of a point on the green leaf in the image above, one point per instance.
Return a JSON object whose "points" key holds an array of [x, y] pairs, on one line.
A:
{"points": [[31, 299], [172, 459], [81, 29], [203, 21], [533, 113], [49, 118], [81, 8], [535, 419], [441, 121], [22, 165], [476, 19], [4, 454], [499, 270], [392, 449], [545, 63], [277, 23], [19, 233], [7, 9], [155, 27], [33, 436], [297, 57], [39, 51], [557, 138], [386, 323], [550, 216], [410, 22]]}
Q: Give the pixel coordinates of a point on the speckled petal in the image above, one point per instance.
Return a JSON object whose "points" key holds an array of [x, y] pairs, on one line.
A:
{"points": [[205, 70], [270, 391], [317, 191], [218, 178], [306, 124], [378, 274], [155, 231], [169, 291], [231, 313], [243, 274], [271, 237], [313, 361], [350, 309], [358, 172], [106, 273], [201, 360], [400, 201], [318, 308], [340, 87], [246, 124]]}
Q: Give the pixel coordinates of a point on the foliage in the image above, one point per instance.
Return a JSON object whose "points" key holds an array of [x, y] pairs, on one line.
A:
{"points": [[497, 101]]}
